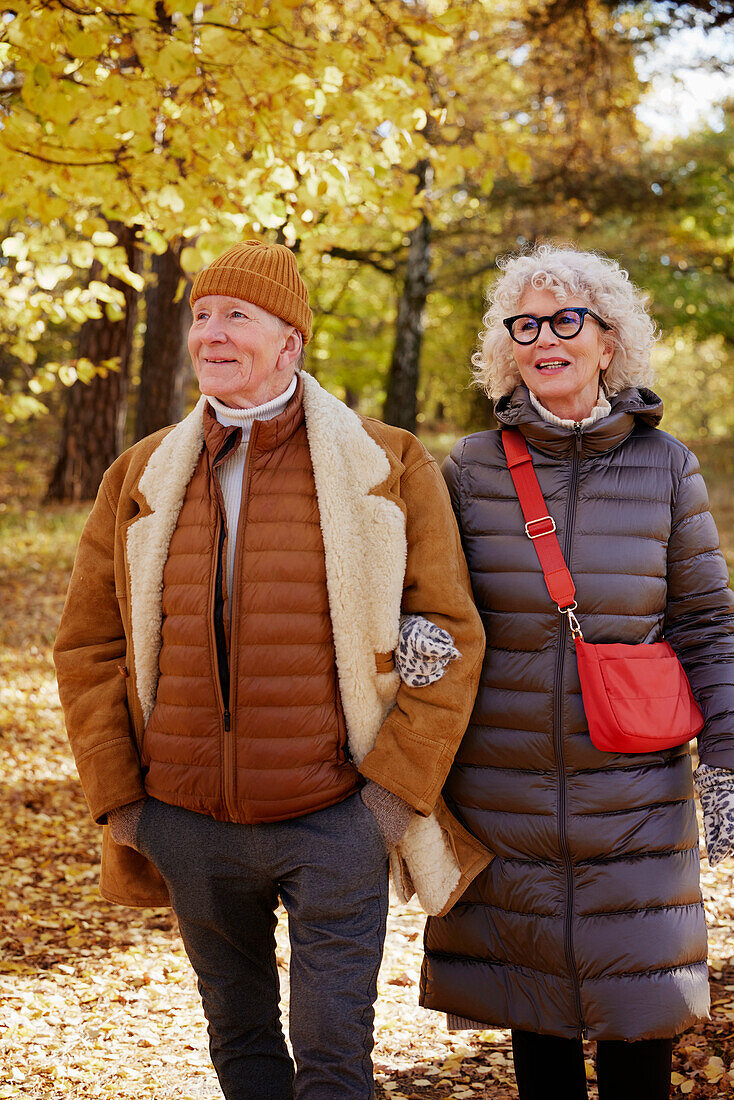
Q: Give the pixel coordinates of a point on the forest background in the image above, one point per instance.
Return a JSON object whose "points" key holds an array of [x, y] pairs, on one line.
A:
{"points": [[399, 147]]}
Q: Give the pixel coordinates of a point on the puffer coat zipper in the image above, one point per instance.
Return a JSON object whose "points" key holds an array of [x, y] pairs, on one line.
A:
{"points": [[229, 771], [558, 691]]}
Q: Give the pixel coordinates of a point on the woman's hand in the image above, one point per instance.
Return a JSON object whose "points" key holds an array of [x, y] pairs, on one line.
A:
{"points": [[423, 652], [715, 788]]}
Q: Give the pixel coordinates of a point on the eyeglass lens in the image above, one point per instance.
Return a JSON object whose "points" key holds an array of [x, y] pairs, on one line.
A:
{"points": [[565, 323]]}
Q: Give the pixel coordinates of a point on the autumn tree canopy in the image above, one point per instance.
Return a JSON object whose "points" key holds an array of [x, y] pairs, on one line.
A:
{"points": [[399, 147]]}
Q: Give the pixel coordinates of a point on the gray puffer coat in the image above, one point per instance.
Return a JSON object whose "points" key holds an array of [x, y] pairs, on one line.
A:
{"points": [[589, 920]]}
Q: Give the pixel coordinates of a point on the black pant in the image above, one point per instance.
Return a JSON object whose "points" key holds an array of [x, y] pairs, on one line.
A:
{"points": [[550, 1068], [330, 870]]}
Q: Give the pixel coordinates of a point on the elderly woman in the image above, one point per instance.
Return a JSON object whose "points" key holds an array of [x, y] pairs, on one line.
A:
{"points": [[588, 923]]}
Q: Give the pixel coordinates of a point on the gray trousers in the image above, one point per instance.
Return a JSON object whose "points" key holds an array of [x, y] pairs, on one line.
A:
{"points": [[330, 870]]}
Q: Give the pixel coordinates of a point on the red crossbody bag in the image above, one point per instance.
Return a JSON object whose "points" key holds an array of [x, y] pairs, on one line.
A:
{"points": [[636, 697]]}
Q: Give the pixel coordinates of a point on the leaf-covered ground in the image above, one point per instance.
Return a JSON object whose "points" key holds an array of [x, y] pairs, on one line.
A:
{"points": [[98, 1000]]}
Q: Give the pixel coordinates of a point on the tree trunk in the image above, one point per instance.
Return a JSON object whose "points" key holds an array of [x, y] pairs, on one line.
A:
{"points": [[481, 412], [401, 403], [94, 422], [163, 369], [351, 398]]}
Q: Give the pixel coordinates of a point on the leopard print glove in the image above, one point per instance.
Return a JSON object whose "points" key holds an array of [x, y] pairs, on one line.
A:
{"points": [[715, 788], [423, 652]]}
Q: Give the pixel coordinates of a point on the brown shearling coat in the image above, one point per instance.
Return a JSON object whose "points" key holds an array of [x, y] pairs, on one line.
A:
{"points": [[391, 547]]}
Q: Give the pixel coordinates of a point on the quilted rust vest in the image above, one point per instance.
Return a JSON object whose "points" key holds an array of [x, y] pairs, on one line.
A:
{"points": [[247, 724]]}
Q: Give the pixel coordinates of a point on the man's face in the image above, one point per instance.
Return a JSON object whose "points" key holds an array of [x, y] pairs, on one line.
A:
{"points": [[242, 355]]}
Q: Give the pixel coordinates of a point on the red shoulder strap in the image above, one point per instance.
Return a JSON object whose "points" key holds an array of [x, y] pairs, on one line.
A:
{"points": [[539, 526]]}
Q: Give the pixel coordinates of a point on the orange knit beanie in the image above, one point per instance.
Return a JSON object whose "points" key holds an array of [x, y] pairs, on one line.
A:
{"points": [[264, 274]]}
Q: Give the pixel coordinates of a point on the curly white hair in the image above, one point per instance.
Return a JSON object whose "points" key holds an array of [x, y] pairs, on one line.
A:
{"points": [[589, 279]]}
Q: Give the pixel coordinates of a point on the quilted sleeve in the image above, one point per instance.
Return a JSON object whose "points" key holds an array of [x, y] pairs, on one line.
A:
{"points": [[451, 471], [700, 614]]}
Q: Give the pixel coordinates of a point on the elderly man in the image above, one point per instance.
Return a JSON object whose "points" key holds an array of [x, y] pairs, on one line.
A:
{"points": [[225, 663]]}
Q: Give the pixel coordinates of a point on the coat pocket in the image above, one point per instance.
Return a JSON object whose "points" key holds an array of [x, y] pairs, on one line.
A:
{"points": [[125, 668]]}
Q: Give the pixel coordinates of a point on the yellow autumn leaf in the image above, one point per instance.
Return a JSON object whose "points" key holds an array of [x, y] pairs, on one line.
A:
{"points": [[172, 63], [432, 50], [518, 161], [184, 7], [84, 44], [60, 105], [714, 1069], [134, 116]]}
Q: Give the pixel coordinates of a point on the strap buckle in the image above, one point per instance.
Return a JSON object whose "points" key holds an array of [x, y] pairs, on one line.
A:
{"points": [[574, 624], [540, 534]]}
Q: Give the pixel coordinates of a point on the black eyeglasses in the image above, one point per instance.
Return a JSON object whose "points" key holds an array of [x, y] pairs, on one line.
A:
{"points": [[565, 323]]}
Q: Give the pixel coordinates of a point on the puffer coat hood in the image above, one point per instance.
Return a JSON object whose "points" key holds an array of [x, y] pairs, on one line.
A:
{"points": [[628, 407], [589, 920]]}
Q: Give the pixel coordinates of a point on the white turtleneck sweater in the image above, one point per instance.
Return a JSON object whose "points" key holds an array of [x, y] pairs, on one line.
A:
{"points": [[600, 410], [231, 470]]}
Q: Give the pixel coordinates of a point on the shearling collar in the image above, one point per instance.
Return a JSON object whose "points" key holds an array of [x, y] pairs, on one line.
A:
{"points": [[629, 407]]}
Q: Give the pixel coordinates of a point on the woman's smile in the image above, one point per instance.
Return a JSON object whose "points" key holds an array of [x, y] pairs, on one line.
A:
{"points": [[547, 365]]}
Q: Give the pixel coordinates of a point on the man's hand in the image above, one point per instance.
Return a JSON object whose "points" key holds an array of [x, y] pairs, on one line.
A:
{"points": [[392, 813], [123, 822]]}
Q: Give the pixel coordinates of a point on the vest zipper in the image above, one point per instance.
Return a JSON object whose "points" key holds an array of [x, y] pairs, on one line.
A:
{"points": [[222, 680], [558, 745], [230, 759]]}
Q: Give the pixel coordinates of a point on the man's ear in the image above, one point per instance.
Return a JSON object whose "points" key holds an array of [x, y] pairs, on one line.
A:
{"points": [[290, 348]]}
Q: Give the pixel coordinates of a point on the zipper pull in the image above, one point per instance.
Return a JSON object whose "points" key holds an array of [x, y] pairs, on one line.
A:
{"points": [[226, 721], [577, 433]]}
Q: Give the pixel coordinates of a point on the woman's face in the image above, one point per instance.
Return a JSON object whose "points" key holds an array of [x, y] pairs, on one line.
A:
{"points": [[562, 373]]}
